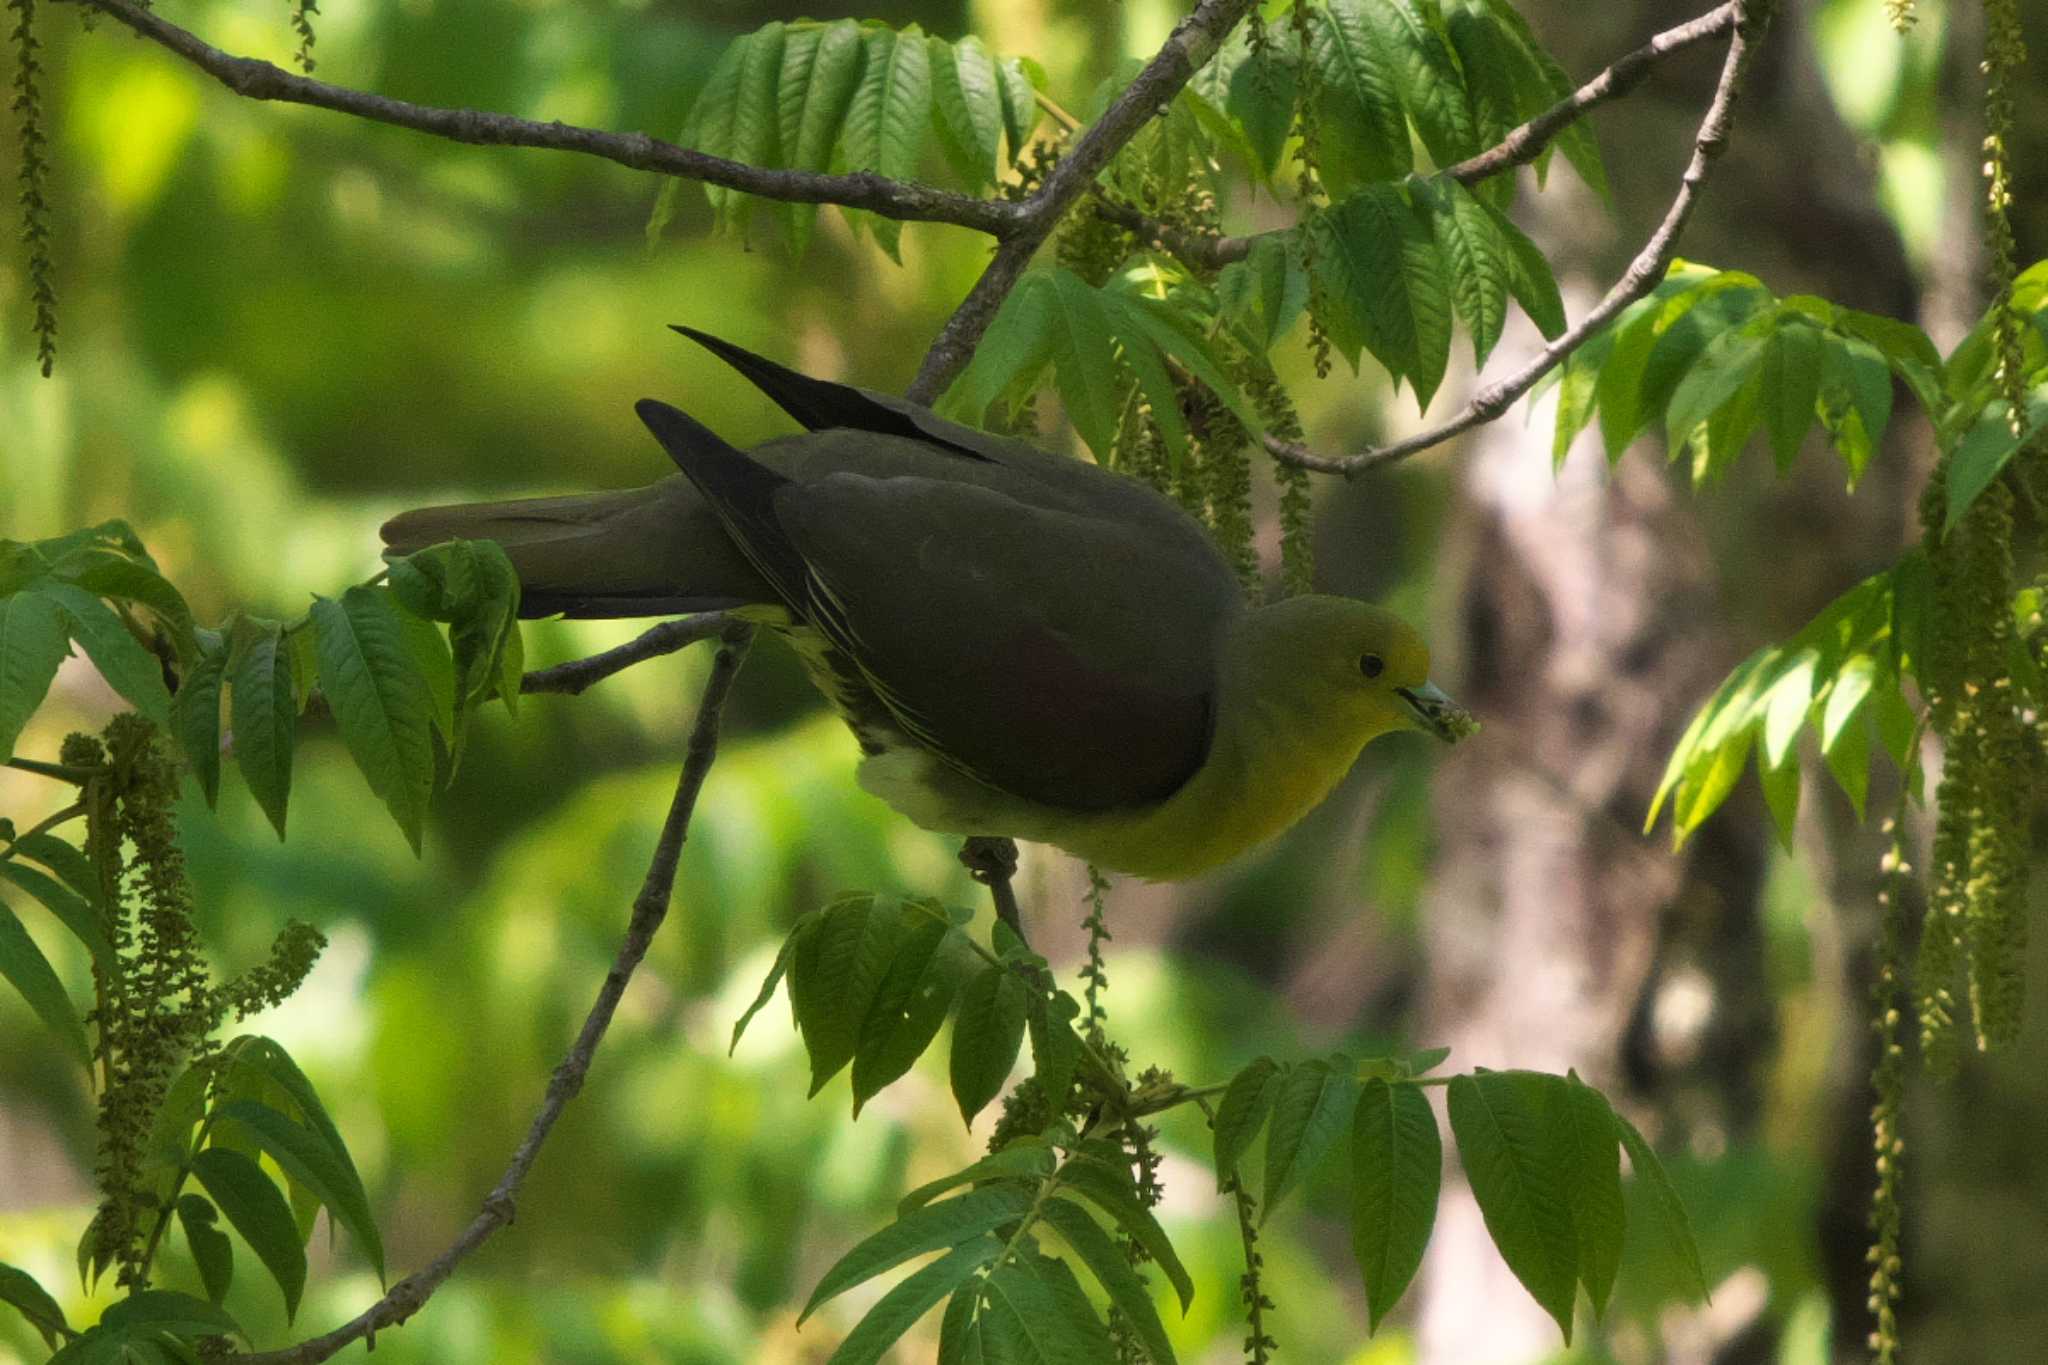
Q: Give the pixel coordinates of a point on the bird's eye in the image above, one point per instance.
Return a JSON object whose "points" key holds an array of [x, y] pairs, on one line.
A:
{"points": [[1372, 665]]}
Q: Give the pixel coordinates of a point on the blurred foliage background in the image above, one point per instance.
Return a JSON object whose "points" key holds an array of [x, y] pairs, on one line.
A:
{"points": [[280, 326]]}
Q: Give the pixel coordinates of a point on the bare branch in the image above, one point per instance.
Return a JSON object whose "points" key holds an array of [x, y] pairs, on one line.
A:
{"points": [[1191, 44], [1491, 400], [578, 675], [260, 80], [649, 908], [1518, 148]]}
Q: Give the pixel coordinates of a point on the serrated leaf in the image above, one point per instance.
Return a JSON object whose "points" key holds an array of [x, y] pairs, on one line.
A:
{"points": [[1261, 99], [756, 114], [910, 1299], [909, 1005], [26, 969], [988, 1030], [1362, 133], [382, 703], [968, 107], [1109, 1188], [33, 642], [820, 67], [72, 910], [195, 720], [264, 713], [119, 575], [212, 1252], [1541, 83], [1666, 1209], [1083, 363], [1171, 331], [1855, 399], [126, 666], [1036, 1314], [21, 1291], [435, 665], [1530, 280], [1785, 707], [1020, 105], [1012, 354], [257, 1209], [1113, 1271], [1791, 370], [1384, 286], [1055, 1047], [1477, 257], [951, 1223], [709, 128], [307, 1158], [834, 974], [1425, 76], [888, 116], [1518, 1174], [1593, 1189], [1312, 1103], [1985, 449], [1396, 1172], [1263, 294], [1026, 1159], [1241, 1113]]}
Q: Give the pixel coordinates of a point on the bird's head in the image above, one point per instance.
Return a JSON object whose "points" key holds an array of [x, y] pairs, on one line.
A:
{"points": [[1354, 664]]}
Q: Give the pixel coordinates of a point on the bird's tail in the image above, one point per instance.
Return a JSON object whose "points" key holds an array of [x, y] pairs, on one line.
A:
{"points": [[651, 551]]}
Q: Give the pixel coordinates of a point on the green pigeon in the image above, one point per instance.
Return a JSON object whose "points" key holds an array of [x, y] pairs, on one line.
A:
{"points": [[1025, 645]]}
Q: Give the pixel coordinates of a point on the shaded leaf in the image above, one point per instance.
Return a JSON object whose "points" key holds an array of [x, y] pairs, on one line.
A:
{"points": [[120, 658], [1036, 1314], [1241, 1113], [1396, 1171], [1593, 1189], [1113, 1271], [26, 969], [20, 1290], [934, 1227], [257, 1209], [968, 107], [910, 1299], [1666, 1209], [195, 720], [1312, 1103], [381, 701], [1110, 1188], [1024, 1159], [211, 1251], [908, 1006], [73, 911], [988, 1030], [307, 1159], [32, 644], [1507, 1140], [264, 713]]}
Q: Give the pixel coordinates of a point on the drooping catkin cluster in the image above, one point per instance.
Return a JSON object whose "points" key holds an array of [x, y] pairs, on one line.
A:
{"points": [[1976, 915], [1297, 541], [302, 24], [1308, 174], [35, 175], [1888, 1082], [156, 1006], [2005, 54], [1900, 13]]}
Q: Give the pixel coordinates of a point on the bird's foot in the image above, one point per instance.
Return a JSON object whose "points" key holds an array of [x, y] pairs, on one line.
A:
{"points": [[992, 862]]}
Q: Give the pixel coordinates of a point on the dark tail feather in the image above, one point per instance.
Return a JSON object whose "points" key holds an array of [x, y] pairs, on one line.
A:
{"points": [[738, 487], [655, 551]]}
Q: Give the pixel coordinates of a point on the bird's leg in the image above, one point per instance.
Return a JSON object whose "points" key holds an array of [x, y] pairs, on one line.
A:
{"points": [[992, 862]]}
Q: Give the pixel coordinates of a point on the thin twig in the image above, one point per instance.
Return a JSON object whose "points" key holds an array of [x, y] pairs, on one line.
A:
{"points": [[1491, 400], [578, 675], [260, 80], [649, 908], [1192, 43], [62, 772], [1519, 147]]}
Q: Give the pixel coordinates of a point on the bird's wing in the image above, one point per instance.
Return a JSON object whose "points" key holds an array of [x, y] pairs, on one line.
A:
{"points": [[1056, 656]]}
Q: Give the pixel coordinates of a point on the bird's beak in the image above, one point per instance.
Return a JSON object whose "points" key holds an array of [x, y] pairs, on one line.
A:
{"points": [[1437, 713]]}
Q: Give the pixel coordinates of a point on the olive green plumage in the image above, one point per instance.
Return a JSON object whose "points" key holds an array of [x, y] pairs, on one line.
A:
{"points": [[1025, 645]]}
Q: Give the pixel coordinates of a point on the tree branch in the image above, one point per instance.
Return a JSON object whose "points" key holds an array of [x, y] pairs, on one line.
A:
{"points": [[1191, 44], [1491, 400], [649, 908], [576, 676], [1518, 148], [260, 80]]}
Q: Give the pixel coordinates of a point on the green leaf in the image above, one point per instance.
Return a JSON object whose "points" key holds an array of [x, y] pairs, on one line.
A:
{"points": [[1110, 1188], [257, 1209], [1781, 797], [1241, 1113], [1855, 399], [1113, 1271], [1426, 77], [70, 864], [1036, 1314], [1261, 99], [1396, 1171], [1666, 1209], [1013, 352], [887, 118], [1530, 279], [1312, 1102], [1730, 361], [1477, 258], [1593, 1189], [72, 910], [968, 107], [1848, 758], [1985, 449], [1541, 83], [987, 1033], [1506, 1139], [1024, 1159], [212, 1252], [1175, 335], [1264, 293], [169, 1311], [961, 1337], [834, 975], [170, 1132], [709, 128], [756, 112], [911, 1298], [264, 713], [820, 66], [308, 1159], [120, 658], [30, 973], [951, 1223], [195, 719], [1785, 708], [1791, 370], [32, 644], [908, 1006], [119, 575], [808, 924], [1055, 1047], [1362, 134], [19, 1289], [1082, 361], [1383, 285], [1020, 105], [381, 701]]}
